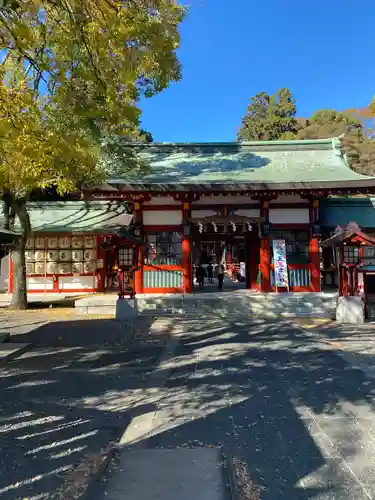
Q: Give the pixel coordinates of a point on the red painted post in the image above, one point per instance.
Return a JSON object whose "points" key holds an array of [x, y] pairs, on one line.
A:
{"points": [[187, 264], [315, 264], [265, 265], [265, 253], [314, 251]]}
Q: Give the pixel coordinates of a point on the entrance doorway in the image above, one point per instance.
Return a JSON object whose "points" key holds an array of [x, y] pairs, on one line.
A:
{"points": [[210, 254]]}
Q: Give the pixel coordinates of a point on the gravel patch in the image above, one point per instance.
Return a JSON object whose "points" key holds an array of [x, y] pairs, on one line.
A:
{"points": [[243, 487]]}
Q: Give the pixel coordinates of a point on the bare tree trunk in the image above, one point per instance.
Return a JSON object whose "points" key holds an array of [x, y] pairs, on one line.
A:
{"points": [[19, 298]]}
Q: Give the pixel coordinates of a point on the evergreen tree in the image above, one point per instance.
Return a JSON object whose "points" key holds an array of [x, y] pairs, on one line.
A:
{"points": [[354, 129], [269, 117]]}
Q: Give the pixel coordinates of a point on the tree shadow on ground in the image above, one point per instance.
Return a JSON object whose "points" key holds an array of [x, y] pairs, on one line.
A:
{"points": [[273, 398], [69, 397], [263, 391]]}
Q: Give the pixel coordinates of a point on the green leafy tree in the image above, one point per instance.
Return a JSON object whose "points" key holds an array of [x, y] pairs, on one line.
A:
{"points": [[354, 128], [72, 74], [269, 117], [254, 123], [282, 115], [326, 123]]}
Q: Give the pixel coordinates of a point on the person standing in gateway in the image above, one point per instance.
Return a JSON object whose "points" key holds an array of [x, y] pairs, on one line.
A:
{"points": [[210, 271], [220, 275]]}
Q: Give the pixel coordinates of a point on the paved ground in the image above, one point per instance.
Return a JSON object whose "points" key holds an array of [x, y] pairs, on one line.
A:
{"points": [[182, 474], [269, 394], [70, 396], [355, 344], [273, 395]]}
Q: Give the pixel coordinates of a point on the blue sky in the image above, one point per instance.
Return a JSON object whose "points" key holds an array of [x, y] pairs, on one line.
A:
{"points": [[230, 50]]}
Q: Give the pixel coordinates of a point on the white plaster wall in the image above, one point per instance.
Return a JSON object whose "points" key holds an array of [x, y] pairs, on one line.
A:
{"points": [[39, 283], [162, 218], [4, 274], [162, 200], [218, 200], [67, 283], [202, 213], [289, 215], [248, 212]]}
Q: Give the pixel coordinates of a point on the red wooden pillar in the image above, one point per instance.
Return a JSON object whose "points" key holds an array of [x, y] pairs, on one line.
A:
{"points": [[138, 273], [265, 265], [187, 264], [314, 250], [187, 250], [265, 253]]}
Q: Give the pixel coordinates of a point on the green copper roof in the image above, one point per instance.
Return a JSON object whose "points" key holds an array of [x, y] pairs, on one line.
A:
{"points": [[341, 211], [78, 216], [266, 162]]}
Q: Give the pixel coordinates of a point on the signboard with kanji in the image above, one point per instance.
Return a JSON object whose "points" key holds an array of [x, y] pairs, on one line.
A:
{"points": [[280, 263]]}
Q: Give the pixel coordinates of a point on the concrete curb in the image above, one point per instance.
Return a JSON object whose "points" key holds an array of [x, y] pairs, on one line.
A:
{"points": [[96, 477], [231, 478], [82, 488]]}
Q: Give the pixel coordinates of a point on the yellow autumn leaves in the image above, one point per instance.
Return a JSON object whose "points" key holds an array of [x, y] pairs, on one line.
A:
{"points": [[70, 68]]}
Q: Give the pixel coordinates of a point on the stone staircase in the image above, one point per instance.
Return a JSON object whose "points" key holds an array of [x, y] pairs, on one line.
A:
{"points": [[218, 304]]}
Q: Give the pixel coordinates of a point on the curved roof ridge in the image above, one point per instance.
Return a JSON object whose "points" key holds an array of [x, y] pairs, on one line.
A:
{"points": [[334, 141]]}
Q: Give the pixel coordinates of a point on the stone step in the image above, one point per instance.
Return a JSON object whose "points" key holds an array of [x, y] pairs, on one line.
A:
{"points": [[217, 304], [167, 474]]}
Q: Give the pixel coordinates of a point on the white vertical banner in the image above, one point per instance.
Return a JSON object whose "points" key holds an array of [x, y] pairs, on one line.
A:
{"points": [[280, 264]]}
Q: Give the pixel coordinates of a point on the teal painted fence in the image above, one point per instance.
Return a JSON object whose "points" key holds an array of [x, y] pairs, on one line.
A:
{"points": [[162, 279], [297, 277]]}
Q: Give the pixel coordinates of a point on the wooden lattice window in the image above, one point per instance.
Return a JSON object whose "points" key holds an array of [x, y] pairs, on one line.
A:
{"points": [[297, 245], [351, 254], [163, 248]]}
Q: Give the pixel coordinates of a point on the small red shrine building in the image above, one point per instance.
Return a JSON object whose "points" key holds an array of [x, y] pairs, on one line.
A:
{"points": [[208, 202]]}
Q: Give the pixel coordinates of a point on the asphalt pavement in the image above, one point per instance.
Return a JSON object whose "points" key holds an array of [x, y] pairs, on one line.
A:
{"points": [[269, 393], [272, 396]]}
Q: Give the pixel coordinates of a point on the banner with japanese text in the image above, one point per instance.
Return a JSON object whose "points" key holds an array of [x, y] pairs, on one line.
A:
{"points": [[280, 263]]}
